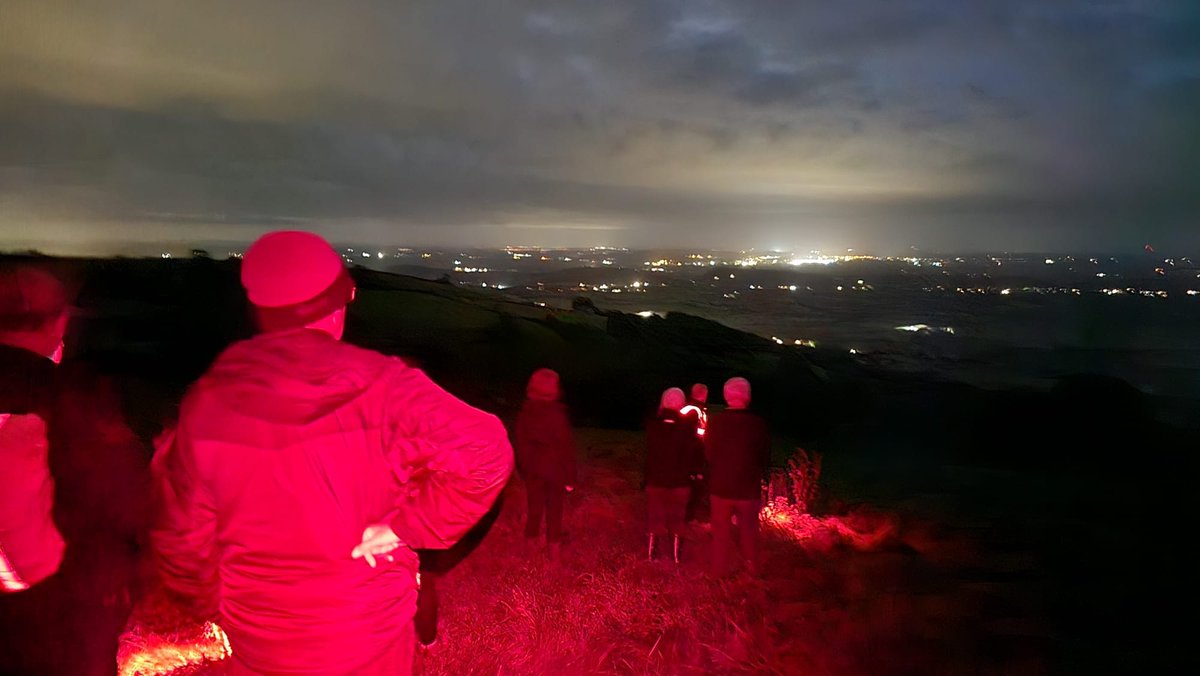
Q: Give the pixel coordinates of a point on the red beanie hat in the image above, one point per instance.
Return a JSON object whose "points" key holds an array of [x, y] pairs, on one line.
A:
{"points": [[294, 278], [543, 385]]}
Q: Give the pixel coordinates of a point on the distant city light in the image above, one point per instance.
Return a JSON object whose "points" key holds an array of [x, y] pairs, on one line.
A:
{"points": [[916, 328]]}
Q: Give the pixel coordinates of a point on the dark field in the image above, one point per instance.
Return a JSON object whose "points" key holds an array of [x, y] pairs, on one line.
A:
{"points": [[1029, 530]]}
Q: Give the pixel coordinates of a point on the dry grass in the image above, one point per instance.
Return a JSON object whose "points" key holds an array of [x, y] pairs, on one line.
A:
{"points": [[835, 596]]}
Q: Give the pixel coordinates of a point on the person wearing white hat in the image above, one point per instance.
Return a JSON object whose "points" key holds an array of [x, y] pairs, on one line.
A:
{"points": [[738, 448]]}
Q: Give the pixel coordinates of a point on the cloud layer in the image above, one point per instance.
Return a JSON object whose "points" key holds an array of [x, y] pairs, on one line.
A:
{"points": [[870, 124]]}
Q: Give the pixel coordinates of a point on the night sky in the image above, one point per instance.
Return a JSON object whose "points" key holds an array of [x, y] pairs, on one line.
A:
{"points": [[944, 124]]}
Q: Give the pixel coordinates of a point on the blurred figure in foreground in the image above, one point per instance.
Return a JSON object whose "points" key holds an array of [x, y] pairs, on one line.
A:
{"points": [[305, 471], [545, 448], [73, 493], [738, 447], [697, 407], [673, 457]]}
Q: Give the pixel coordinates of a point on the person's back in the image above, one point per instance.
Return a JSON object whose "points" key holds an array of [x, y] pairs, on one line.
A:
{"points": [[287, 449], [543, 441], [673, 449], [545, 449], [738, 447], [275, 435]]}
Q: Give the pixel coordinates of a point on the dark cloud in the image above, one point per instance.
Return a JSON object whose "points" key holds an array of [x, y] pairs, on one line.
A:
{"points": [[636, 119]]}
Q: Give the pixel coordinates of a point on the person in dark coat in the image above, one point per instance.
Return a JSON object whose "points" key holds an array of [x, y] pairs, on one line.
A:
{"points": [[545, 449], [738, 447], [74, 491], [697, 407], [673, 457]]}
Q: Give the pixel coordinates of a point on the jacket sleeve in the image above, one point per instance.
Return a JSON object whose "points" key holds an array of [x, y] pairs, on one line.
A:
{"points": [[184, 537], [450, 461]]}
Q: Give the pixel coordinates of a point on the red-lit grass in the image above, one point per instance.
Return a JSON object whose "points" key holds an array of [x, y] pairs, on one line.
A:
{"points": [[857, 594]]}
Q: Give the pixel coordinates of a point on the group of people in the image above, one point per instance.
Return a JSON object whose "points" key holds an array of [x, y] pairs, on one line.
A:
{"points": [[688, 458], [287, 503], [289, 498]]}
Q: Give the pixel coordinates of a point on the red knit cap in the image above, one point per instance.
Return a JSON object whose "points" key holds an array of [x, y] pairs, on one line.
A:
{"points": [[294, 278]]}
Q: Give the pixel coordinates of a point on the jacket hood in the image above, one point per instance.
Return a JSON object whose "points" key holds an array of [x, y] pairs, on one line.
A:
{"points": [[292, 377]]}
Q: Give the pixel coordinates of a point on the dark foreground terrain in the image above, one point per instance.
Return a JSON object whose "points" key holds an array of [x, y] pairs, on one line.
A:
{"points": [[1018, 531]]}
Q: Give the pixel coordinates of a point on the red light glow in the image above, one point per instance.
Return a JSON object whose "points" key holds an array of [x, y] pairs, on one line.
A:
{"points": [[158, 654]]}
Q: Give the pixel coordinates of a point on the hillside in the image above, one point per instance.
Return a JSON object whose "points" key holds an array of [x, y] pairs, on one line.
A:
{"points": [[1060, 507]]}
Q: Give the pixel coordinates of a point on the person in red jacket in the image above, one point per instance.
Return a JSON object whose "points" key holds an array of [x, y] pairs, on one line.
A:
{"points": [[545, 449], [304, 472], [738, 447], [673, 455]]}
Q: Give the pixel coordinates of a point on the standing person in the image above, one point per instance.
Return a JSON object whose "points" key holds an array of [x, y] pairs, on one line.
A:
{"points": [[73, 493], [545, 448], [673, 456], [738, 447], [33, 319], [697, 406], [296, 456]]}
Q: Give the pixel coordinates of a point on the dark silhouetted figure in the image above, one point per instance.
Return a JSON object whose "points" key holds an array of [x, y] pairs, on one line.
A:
{"points": [[673, 457], [545, 449], [66, 583], [697, 407], [738, 447]]}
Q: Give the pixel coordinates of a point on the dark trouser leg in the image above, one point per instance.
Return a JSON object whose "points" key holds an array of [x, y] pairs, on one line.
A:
{"points": [[722, 534], [555, 495], [426, 619], [697, 497], [535, 489], [656, 510], [747, 516], [676, 506]]}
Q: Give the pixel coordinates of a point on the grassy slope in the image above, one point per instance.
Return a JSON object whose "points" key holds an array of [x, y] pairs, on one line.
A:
{"points": [[925, 601], [819, 607]]}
